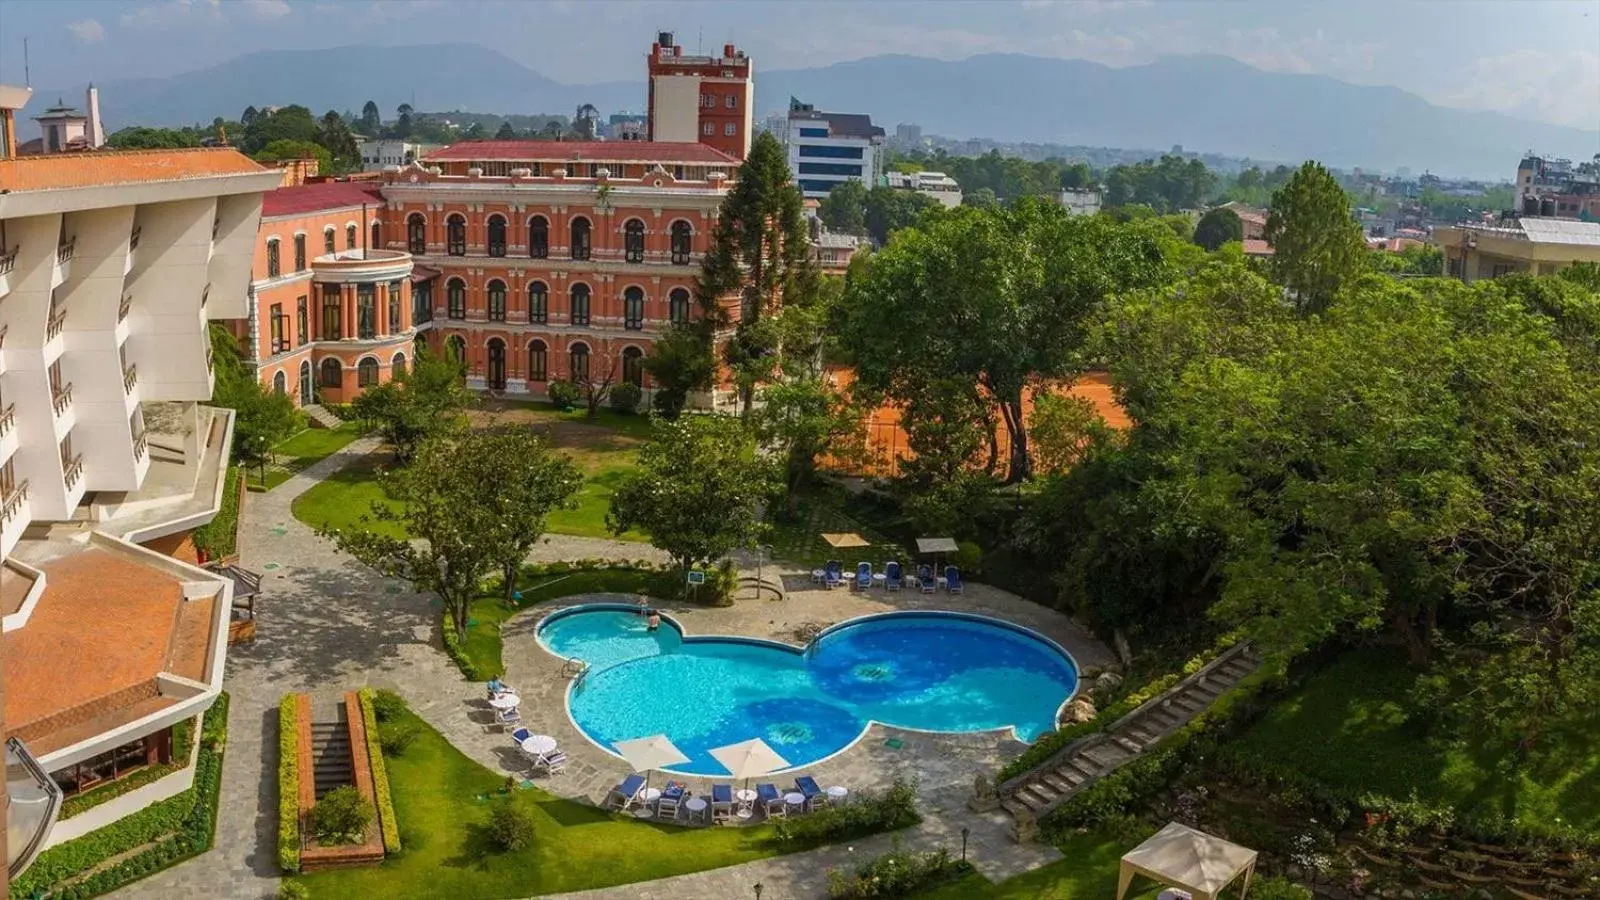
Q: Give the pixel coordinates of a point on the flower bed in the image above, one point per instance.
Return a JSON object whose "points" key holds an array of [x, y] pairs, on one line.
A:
{"points": [[898, 873], [387, 822], [289, 784], [867, 814]]}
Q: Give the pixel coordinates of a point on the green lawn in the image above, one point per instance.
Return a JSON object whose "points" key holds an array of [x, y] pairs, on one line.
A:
{"points": [[345, 496], [1088, 872], [800, 541], [443, 800], [315, 444], [1350, 727]]}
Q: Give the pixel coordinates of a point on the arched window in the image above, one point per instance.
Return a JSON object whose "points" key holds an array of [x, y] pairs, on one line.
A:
{"points": [[332, 373], [455, 235], [633, 308], [367, 371], [299, 253], [376, 236], [580, 238], [580, 304], [280, 383], [497, 365], [455, 350], [539, 237], [455, 295], [682, 239], [274, 263], [497, 235], [416, 234], [578, 366], [350, 237], [633, 241], [538, 302], [397, 366], [422, 302], [678, 306], [538, 362], [497, 300], [328, 245], [633, 366]]}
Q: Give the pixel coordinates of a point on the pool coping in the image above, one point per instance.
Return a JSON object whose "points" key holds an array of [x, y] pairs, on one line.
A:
{"points": [[800, 649]]}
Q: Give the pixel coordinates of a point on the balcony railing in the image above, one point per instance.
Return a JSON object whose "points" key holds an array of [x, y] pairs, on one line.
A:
{"points": [[140, 444], [204, 295], [130, 377], [8, 260], [63, 399], [133, 239], [208, 359], [124, 308], [57, 322], [13, 503], [3, 330], [74, 472], [8, 419], [64, 251]]}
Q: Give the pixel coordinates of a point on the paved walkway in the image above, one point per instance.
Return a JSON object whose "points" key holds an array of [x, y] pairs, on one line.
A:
{"points": [[327, 624]]}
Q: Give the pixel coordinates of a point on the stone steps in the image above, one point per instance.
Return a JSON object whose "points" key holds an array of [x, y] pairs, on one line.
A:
{"points": [[321, 416]]}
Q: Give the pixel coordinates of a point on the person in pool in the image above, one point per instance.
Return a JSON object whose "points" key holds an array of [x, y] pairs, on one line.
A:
{"points": [[652, 620]]}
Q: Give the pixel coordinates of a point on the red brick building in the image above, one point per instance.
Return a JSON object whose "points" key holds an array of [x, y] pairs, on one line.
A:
{"points": [[704, 99]]}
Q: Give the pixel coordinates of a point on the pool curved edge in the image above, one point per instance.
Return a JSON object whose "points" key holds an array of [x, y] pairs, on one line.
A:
{"points": [[800, 650]]}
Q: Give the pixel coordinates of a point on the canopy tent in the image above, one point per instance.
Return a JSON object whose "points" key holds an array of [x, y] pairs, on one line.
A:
{"points": [[845, 540], [749, 759], [929, 545], [1192, 860], [649, 753]]}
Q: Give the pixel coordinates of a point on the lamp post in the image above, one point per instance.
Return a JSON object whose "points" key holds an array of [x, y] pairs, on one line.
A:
{"points": [[758, 890], [759, 555], [964, 832]]}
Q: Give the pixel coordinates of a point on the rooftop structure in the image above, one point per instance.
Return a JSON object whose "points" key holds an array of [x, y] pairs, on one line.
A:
{"points": [[937, 185], [705, 99], [1535, 245]]}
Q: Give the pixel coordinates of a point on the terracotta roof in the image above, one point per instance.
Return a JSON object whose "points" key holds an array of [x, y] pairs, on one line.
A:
{"points": [[1257, 248], [54, 171], [309, 198], [582, 151]]}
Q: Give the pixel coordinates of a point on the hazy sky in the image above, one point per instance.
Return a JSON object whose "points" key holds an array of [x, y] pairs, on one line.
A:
{"points": [[1538, 59]]}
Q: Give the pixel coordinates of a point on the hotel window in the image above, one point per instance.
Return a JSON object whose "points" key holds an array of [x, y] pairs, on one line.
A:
{"points": [[272, 259], [730, 129], [327, 241], [497, 236], [633, 241], [397, 366], [299, 253], [349, 237], [455, 237], [708, 129], [375, 235], [422, 302], [332, 373], [580, 239], [367, 372], [633, 366], [536, 170], [578, 367], [455, 350], [678, 306], [538, 363], [538, 303], [366, 311], [302, 322], [633, 308], [396, 293], [332, 314], [455, 295], [416, 234], [497, 301], [539, 237], [682, 241], [580, 304], [731, 101], [280, 325]]}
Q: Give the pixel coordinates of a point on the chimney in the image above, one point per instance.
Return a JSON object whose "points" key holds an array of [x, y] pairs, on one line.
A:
{"points": [[727, 51], [96, 135]]}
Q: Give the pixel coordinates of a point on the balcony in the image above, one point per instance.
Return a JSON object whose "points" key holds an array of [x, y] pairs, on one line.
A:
{"points": [[73, 472], [8, 261], [130, 378], [13, 503], [124, 308], [63, 400], [64, 251], [57, 322], [8, 419], [133, 239], [3, 330], [140, 444], [204, 296]]}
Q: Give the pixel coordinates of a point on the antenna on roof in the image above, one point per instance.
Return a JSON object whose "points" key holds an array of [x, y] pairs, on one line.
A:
{"points": [[27, 76]]}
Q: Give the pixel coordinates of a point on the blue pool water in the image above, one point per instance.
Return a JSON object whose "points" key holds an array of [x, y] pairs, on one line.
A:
{"points": [[928, 671]]}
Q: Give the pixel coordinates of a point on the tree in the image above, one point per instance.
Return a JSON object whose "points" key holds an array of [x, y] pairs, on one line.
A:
{"points": [[334, 135], [982, 198], [262, 418], [423, 402], [679, 362], [844, 210], [403, 123], [287, 123], [698, 489], [248, 117], [138, 138], [889, 209], [1064, 430], [505, 132], [474, 132], [371, 121], [286, 150], [1317, 246], [1217, 227], [602, 375], [530, 482]]}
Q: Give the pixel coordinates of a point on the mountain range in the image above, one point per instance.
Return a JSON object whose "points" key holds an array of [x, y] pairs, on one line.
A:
{"points": [[1206, 103]]}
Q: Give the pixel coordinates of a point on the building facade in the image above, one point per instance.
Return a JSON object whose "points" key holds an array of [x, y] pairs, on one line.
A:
{"points": [[828, 149], [1537, 246], [701, 99], [376, 155], [556, 261], [1555, 187], [937, 185], [331, 307]]}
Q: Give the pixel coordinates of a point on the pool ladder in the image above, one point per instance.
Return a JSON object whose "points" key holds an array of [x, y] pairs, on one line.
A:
{"points": [[574, 668]]}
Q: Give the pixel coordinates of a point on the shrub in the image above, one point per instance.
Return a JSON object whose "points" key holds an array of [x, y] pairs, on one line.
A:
{"points": [[220, 537], [1274, 888], [967, 557], [341, 817], [288, 786], [453, 648], [898, 873], [395, 737], [565, 394], [387, 706], [894, 809], [625, 397], [293, 890], [721, 584], [387, 823], [511, 827]]}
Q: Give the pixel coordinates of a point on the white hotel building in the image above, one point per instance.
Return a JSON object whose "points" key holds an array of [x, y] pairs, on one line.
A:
{"points": [[828, 149]]}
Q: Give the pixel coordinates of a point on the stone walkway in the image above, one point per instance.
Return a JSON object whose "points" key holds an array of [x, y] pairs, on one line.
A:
{"points": [[327, 624]]}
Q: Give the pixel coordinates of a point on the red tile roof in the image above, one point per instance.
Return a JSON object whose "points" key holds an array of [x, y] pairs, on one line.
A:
{"points": [[1257, 248], [310, 198], [97, 168], [582, 151]]}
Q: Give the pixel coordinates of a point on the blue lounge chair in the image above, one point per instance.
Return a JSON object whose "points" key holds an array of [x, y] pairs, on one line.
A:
{"points": [[814, 794], [891, 576], [721, 802], [674, 795], [925, 579], [521, 734], [627, 793], [833, 573], [770, 799], [863, 579], [952, 580]]}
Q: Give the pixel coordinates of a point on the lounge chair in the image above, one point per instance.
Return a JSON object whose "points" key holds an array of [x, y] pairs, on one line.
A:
{"points": [[952, 579], [627, 793], [521, 734], [508, 716], [552, 764], [814, 794], [721, 802], [863, 579], [676, 792], [833, 574], [891, 576], [770, 799], [925, 579]]}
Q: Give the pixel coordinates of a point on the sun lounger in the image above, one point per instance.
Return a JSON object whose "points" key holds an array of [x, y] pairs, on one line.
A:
{"points": [[925, 579], [721, 802], [833, 574], [508, 716], [674, 794], [952, 579], [770, 799], [553, 763], [627, 793], [891, 576], [863, 579], [814, 794]]}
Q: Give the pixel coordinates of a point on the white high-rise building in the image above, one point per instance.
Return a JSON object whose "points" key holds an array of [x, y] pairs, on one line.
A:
{"points": [[828, 149]]}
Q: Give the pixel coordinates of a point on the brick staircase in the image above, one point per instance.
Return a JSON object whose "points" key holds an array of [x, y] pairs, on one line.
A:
{"points": [[330, 756], [1080, 763], [321, 416]]}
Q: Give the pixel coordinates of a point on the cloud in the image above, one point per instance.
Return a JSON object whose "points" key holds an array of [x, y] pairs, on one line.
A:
{"points": [[1562, 88], [266, 9], [87, 31], [172, 14]]}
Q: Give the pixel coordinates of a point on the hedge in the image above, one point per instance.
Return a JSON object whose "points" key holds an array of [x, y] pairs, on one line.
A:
{"points": [[175, 829], [182, 745], [867, 814], [289, 784], [454, 650], [380, 775], [220, 537]]}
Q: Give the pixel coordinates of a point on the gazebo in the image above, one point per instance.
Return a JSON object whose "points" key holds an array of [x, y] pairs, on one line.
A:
{"points": [[1191, 860]]}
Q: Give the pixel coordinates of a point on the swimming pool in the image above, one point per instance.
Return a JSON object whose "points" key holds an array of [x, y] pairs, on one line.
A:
{"points": [[928, 671]]}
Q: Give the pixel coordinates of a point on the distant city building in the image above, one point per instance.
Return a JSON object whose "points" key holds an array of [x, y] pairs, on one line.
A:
{"points": [[908, 134], [937, 185], [701, 99], [1081, 201], [1253, 218], [831, 251], [375, 155], [66, 129], [626, 126], [827, 149], [1555, 187], [1531, 244]]}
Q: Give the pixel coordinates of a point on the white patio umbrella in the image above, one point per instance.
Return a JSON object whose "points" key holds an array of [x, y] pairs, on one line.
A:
{"points": [[749, 759], [648, 753]]}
